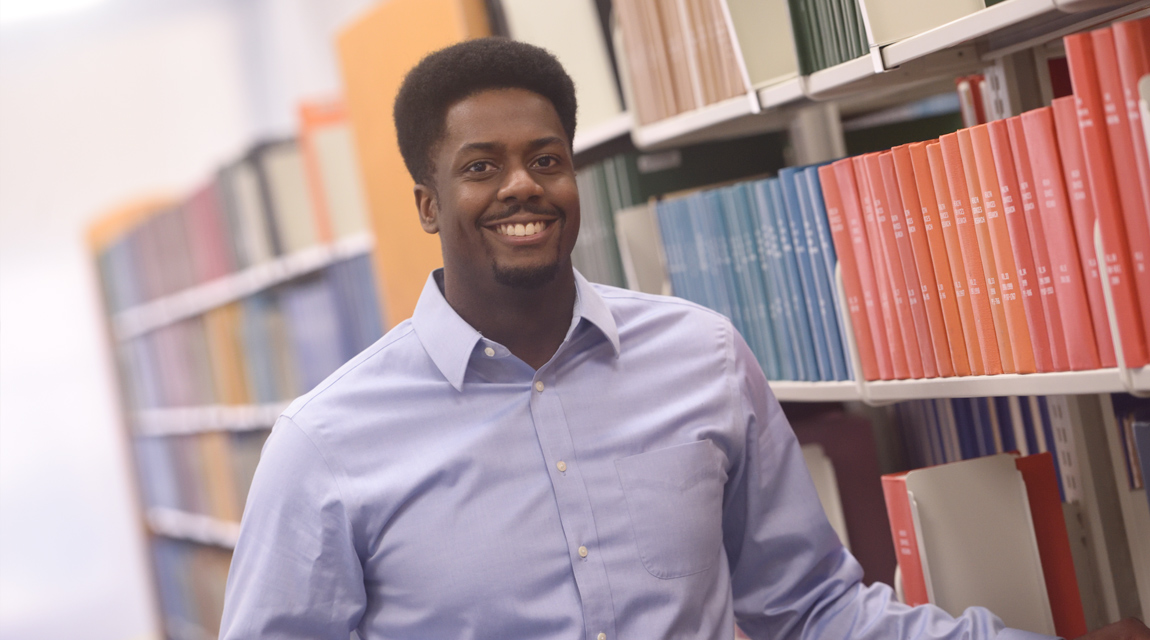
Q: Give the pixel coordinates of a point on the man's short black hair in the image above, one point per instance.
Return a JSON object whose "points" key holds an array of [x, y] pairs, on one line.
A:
{"points": [[449, 75]]}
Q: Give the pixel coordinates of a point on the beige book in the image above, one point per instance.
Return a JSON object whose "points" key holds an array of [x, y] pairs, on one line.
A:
{"points": [[288, 196], [894, 20], [763, 28]]}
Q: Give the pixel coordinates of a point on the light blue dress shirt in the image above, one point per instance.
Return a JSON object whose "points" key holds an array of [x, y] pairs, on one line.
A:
{"points": [[643, 484]]}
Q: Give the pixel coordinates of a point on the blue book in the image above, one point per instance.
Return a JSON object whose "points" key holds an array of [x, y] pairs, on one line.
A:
{"points": [[1142, 445], [749, 289], [799, 308], [758, 285], [1029, 427], [964, 423], [1051, 443], [1005, 423], [672, 247], [792, 213], [718, 250], [779, 300], [696, 242], [824, 269], [313, 327]]}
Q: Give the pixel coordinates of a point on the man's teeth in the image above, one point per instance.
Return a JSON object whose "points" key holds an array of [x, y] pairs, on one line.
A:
{"points": [[529, 229]]}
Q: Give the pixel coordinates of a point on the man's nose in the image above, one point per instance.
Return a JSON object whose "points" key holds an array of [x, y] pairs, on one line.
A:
{"points": [[520, 185]]}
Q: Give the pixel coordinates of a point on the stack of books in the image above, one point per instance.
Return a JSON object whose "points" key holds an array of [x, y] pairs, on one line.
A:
{"points": [[827, 32]]}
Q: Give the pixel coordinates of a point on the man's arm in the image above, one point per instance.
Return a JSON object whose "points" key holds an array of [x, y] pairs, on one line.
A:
{"points": [[295, 572], [790, 575]]}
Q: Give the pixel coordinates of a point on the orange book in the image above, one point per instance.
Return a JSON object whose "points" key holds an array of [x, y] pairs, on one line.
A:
{"points": [[1113, 221], [1074, 307], [313, 117], [986, 250], [895, 218], [856, 228], [1043, 277], [1041, 480], [1132, 45], [976, 288], [1125, 165], [894, 267], [931, 288], [902, 530], [852, 285], [1082, 213], [973, 353], [1009, 284], [894, 329]]}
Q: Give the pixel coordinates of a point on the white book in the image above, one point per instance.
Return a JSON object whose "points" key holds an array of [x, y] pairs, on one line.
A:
{"points": [[641, 250], [894, 20]]}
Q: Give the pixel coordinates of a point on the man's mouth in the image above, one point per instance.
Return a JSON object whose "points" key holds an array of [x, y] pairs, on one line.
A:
{"points": [[520, 229]]}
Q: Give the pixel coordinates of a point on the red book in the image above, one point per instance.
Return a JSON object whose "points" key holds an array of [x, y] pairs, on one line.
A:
{"points": [[1113, 221], [1082, 213], [910, 265], [971, 255], [986, 251], [1125, 166], [933, 224], [1010, 206], [1053, 543], [902, 530], [856, 228], [1013, 308], [1043, 276], [878, 255], [1133, 49], [897, 271], [946, 213], [1074, 307], [852, 284]]}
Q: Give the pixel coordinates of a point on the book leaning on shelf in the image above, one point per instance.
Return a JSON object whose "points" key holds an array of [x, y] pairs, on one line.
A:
{"points": [[225, 305]]}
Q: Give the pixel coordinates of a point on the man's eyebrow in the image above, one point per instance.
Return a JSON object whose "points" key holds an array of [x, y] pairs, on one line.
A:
{"points": [[482, 146], [534, 145], [539, 143]]}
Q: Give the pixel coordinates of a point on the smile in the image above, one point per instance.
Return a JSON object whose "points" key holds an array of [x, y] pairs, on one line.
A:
{"points": [[519, 229]]}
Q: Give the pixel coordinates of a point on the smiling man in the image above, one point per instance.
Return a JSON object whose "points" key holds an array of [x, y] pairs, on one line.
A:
{"points": [[532, 456]]}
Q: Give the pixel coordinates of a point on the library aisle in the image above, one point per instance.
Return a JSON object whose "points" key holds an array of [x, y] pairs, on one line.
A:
{"points": [[95, 104]]}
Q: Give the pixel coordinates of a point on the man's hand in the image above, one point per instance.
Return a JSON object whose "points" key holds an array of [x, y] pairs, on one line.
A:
{"points": [[1128, 629]]}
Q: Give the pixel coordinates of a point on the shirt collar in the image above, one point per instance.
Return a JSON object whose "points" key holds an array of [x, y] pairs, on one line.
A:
{"points": [[450, 341]]}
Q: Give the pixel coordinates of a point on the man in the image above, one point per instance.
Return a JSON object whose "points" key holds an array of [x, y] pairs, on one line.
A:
{"points": [[531, 456]]}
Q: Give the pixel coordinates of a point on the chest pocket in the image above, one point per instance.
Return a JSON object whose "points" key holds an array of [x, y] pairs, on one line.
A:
{"points": [[675, 500]]}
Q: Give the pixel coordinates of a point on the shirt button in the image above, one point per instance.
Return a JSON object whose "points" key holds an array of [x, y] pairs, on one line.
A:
{"points": [[601, 636], [539, 385], [582, 552], [489, 351], [562, 466]]}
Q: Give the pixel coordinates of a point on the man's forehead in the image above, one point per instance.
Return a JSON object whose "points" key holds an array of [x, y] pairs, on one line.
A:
{"points": [[507, 113]]}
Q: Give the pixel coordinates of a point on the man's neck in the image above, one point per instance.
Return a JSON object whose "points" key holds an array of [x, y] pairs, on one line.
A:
{"points": [[530, 323]]}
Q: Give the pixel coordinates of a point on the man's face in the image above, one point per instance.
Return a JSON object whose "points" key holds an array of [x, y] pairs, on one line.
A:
{"points": [[504, 200]]}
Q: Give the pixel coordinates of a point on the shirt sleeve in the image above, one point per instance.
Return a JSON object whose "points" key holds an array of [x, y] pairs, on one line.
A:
{"points": [[790, 575], [295, 572]]}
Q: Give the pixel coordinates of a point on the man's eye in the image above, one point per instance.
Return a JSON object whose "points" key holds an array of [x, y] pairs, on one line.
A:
{"points": [[547, 162], [479, 167]]}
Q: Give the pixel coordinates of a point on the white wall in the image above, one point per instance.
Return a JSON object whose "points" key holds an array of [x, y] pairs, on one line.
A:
{"points": [[128, 98]]}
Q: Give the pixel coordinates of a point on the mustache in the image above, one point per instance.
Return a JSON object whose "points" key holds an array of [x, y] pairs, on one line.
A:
{"points": [[513, 209]]}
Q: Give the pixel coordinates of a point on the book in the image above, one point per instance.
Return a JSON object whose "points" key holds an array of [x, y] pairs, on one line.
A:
{"points": [[1132, 47], [976, 283], [1083, 214], [1114, 222], [334, 180], [1028, 196], [934, 225]]}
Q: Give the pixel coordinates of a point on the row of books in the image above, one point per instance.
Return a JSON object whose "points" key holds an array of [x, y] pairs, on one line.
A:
{"points": [[760, 253], [944, 430], [202, 473], [974, 254], [191, 585], [827, 32], [280, 198], [604, 189], [269, 347]]}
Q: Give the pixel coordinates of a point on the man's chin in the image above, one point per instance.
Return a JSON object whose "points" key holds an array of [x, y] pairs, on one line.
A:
{"points": [[526, 278]]}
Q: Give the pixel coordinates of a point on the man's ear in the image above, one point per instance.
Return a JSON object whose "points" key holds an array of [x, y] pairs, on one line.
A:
{"points": [[428, 206]]}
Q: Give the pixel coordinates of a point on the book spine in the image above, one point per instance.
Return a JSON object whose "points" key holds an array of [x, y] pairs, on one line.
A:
{"points": [[894, 268], [1043, 270], [802, 322], [1014, 267], [810, 210], [840, 363], [852, 284], [891, 322], [1124, 163], [1082, 213], [778, 298], [1132, 46], [932, 224], [902, 530], [1108, 209], [930, 288], [976, 286], [954, 256], [856, 228], [794, 221], [986, 249]]}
